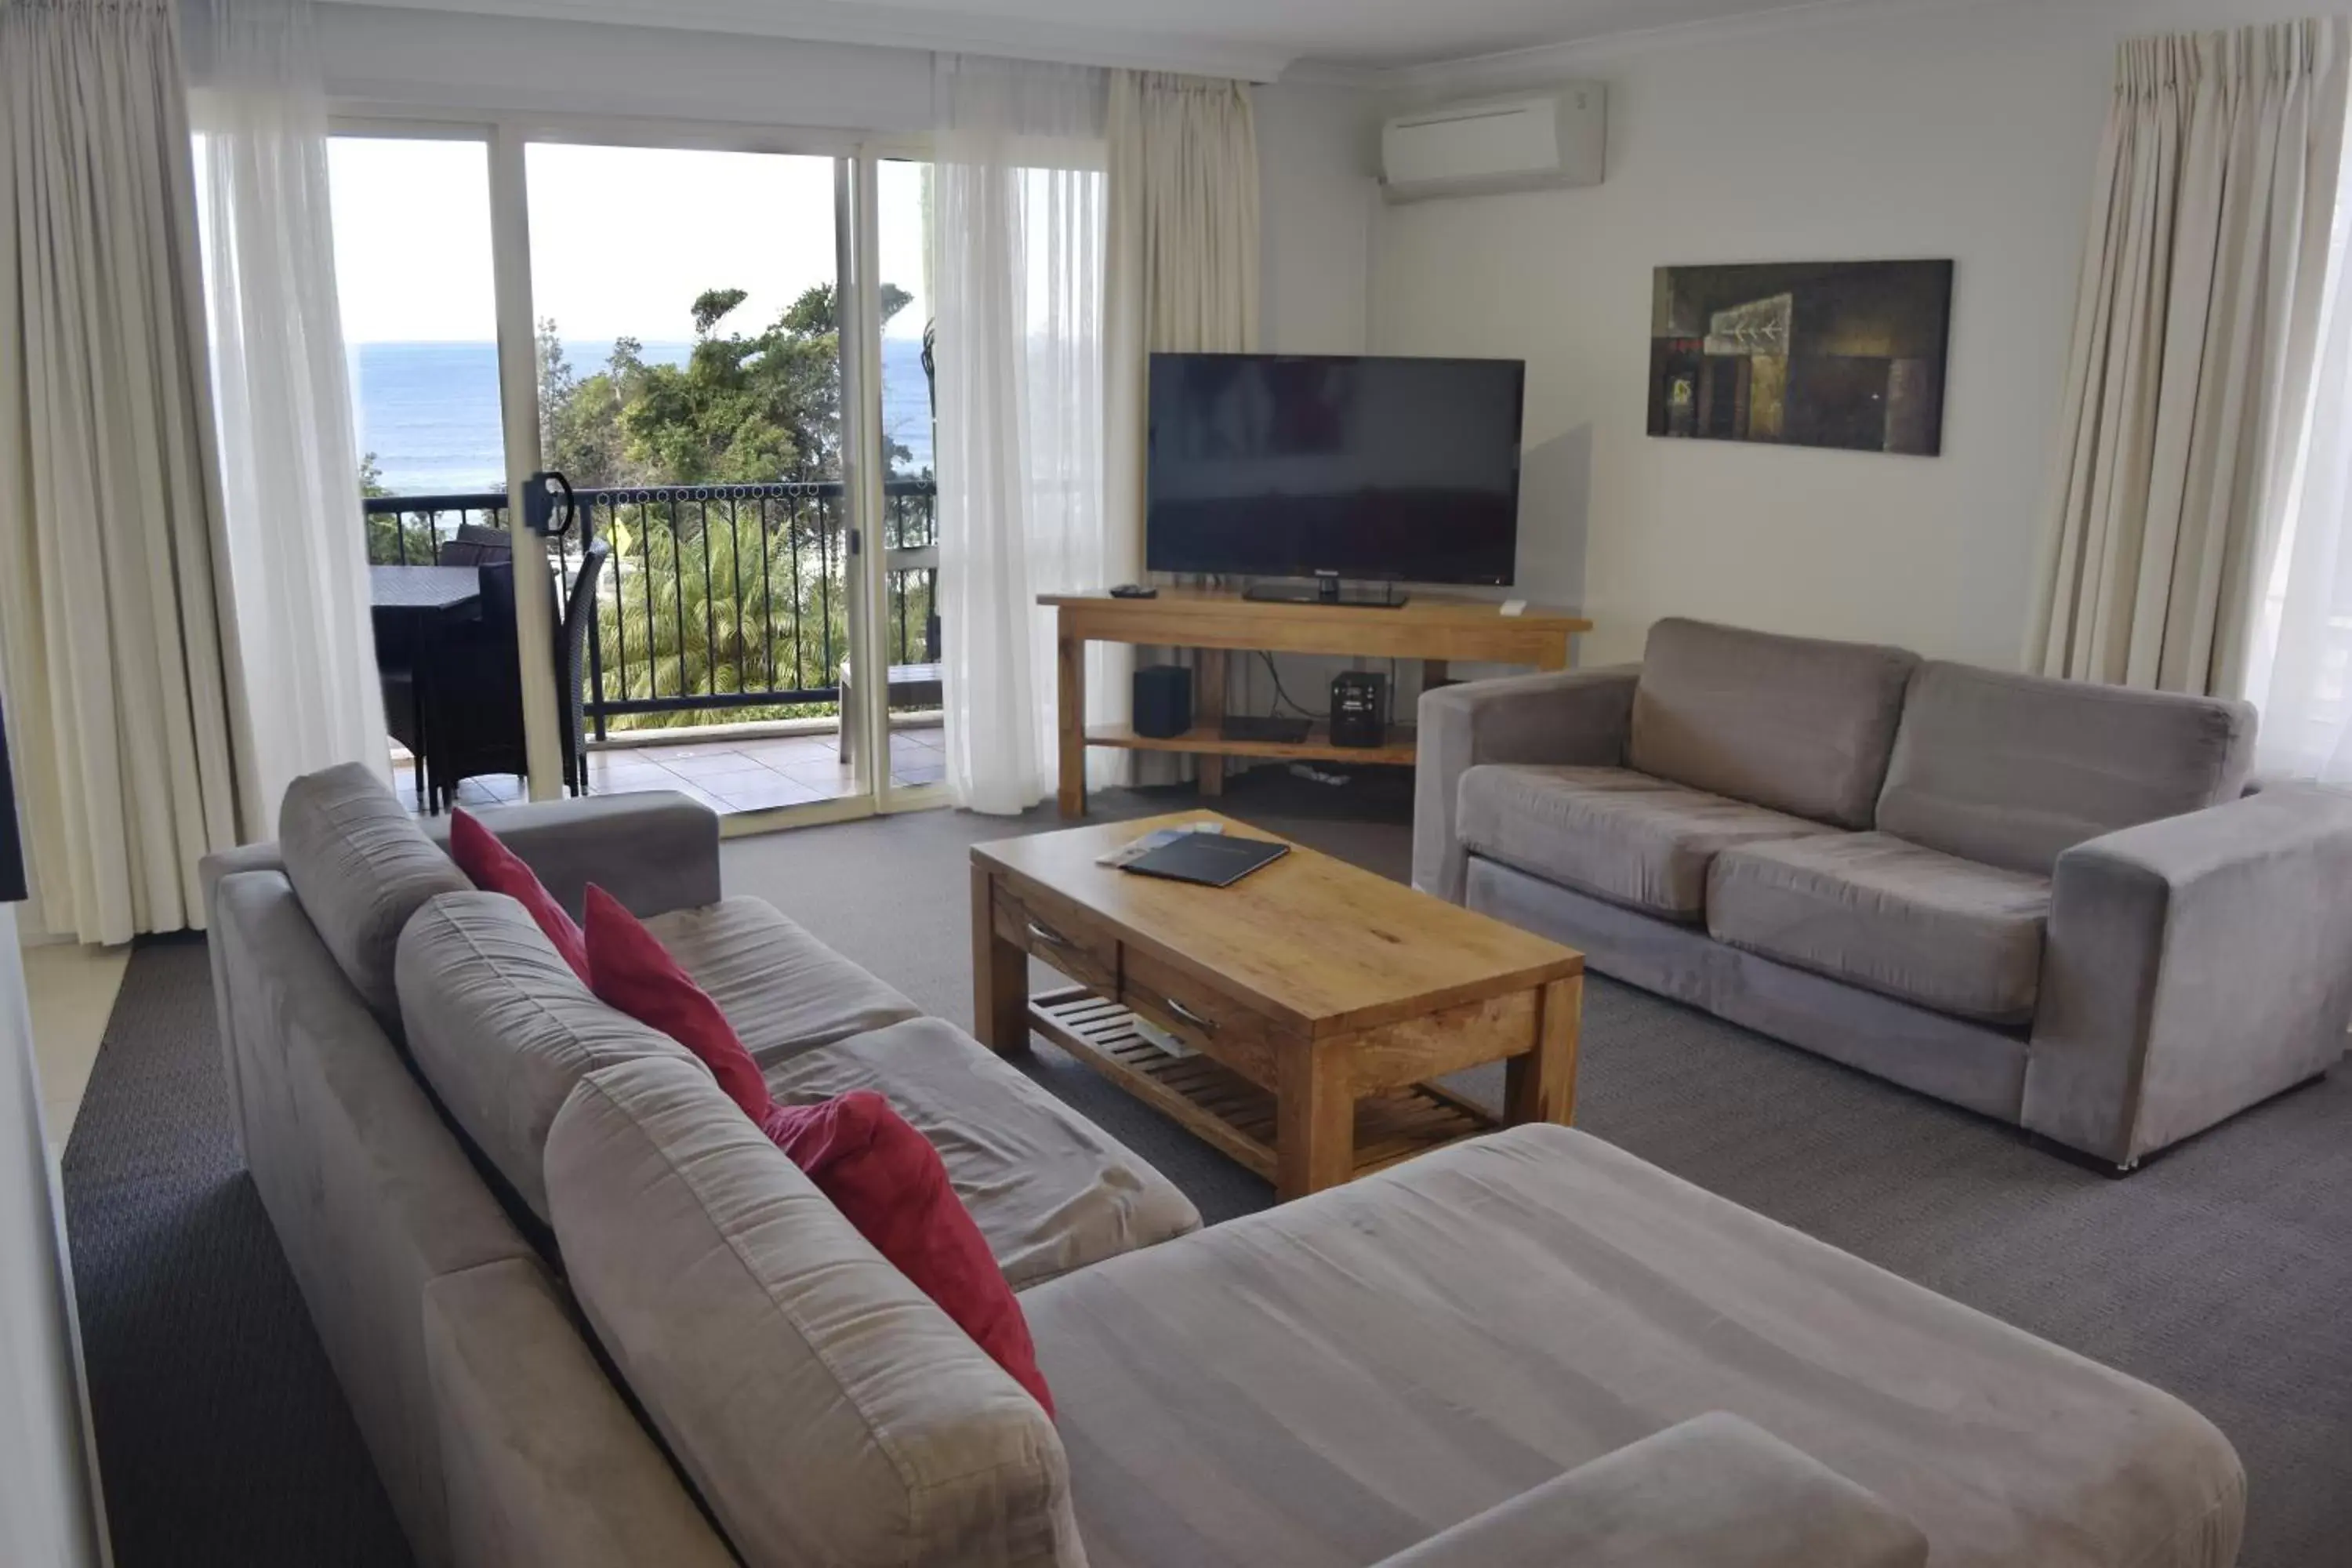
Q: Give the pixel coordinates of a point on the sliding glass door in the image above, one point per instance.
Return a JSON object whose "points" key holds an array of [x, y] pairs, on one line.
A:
{"points": [[715, 350]]}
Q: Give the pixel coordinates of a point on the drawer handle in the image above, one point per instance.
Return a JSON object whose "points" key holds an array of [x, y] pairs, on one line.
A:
{"points": [[1206, 1025], [1050, 938]]}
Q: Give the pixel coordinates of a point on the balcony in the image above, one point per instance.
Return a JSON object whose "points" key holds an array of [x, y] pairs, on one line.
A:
{"points": [[715, 660]]}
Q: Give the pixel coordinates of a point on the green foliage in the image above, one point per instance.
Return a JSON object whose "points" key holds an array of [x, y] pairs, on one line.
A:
{"points": [[745, 408], [387, 533]]}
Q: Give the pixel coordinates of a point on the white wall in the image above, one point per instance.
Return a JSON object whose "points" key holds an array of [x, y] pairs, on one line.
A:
{"points": [[45, 1512], [1969, 131], [1320, 204]]}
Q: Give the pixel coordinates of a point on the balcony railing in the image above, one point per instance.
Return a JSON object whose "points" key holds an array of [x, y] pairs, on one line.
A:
{"points": [[722, 600]]}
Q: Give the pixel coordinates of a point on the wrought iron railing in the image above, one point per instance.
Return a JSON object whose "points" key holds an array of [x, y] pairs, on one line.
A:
{"points": [[721, 600]]}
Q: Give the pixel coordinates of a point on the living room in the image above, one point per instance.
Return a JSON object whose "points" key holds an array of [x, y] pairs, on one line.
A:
{"points": [[1837, 1065]]}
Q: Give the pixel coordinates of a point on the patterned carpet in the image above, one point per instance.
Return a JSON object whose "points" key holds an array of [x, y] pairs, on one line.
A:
{"points": [[2220, 1272]]}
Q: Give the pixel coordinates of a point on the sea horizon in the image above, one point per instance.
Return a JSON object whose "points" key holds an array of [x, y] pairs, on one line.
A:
{"points": [[428, 411]]}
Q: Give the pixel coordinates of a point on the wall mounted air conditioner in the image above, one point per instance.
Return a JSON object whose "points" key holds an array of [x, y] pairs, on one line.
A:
{"points": [[1536, 140]]}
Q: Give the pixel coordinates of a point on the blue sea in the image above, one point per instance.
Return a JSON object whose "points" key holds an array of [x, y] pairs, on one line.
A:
{"points": [[429, 412]]}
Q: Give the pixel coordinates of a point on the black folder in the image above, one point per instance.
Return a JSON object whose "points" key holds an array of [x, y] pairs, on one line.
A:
{"points": [[1215, 859]]}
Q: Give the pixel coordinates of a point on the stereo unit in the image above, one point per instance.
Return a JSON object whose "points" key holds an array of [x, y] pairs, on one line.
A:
{"points": [[1360, 701], [1164, 700]]}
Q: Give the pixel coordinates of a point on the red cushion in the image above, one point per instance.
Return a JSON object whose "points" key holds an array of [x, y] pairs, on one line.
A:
{"points": [[495, 868], [630, 969], [887, 1180]]}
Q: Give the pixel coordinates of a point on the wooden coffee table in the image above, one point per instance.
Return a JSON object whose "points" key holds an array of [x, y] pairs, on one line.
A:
{"points": [[1315, 1001]]}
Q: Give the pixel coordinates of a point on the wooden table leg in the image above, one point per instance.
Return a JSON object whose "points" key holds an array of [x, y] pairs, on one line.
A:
{"points": [[1070, 667], [1315, 1120], [1540, 1084], [1209, 711], [1000, 976]]}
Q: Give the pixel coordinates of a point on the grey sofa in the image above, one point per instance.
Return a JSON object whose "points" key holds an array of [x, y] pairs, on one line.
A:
{"points": [[2049, 901], [587, 1315]]}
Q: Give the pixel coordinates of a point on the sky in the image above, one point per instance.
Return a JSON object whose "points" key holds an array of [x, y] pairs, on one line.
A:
{"points": [[623, 239]]}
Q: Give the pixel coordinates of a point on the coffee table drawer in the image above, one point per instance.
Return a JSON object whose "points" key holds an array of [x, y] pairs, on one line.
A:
{"points": [[1211, 1022], [1073, 940]]}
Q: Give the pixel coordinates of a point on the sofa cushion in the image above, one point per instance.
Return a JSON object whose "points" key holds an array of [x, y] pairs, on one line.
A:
{"points": [[628, 969], [1611, 832], [502, 1029], [493, 868], [888, 1182], [824, 1408], [361, 866], [1328, 1382], [1947, 933], [1050, 1190], [1794, 724], [783, 991], [2013, 770]]}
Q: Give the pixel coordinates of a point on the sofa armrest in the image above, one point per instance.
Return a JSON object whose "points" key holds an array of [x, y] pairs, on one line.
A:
{"points": [[1714, 1492], [1574, 716], [2194, 966], [656, 852]]}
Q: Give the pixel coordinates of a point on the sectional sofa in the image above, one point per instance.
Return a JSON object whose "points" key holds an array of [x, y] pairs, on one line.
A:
{"points": [[587, 1315], [2052, 902]]}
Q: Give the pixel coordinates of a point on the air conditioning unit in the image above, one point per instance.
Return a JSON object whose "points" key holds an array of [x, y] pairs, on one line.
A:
{"points": [[1556, 138]]}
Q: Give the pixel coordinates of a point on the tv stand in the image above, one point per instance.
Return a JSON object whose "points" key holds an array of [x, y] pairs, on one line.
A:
{"points": [[1327, 590], [1212, 621]]}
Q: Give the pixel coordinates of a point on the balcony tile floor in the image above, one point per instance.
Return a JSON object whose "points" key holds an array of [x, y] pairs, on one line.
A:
{"points": [[727, 774]]}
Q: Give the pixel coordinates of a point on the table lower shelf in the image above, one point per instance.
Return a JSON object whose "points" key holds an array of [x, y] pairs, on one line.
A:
{"points": [[1226, 1109], [1397, 748]]}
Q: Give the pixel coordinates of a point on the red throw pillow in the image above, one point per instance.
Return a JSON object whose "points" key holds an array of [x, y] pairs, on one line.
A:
{"points": [[495, 868], [887, 1180], [630, 970]]}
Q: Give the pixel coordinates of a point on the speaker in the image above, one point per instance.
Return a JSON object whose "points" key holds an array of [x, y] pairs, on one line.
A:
{"points": [[1164, 700], [1360, 702]]}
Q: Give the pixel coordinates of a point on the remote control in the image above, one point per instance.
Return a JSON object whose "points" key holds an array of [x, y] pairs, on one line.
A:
{"points": [[1135, 591]]}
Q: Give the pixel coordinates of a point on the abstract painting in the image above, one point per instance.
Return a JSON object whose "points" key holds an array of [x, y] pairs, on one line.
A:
{"points": [[1828, 353]]}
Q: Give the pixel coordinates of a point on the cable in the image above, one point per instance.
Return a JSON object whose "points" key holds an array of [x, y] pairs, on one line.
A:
{"points": [[1281, 697]]}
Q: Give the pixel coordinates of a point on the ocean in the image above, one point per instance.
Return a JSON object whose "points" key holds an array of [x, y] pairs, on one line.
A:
{"points": [[429, 412]]}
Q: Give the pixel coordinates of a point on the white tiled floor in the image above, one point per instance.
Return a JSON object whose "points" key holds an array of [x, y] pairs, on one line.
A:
{"points": [[727, 773], [72, 992]]}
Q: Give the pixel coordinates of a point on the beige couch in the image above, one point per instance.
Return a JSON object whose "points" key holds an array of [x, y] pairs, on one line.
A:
{"points": [[586, 1315], [2049, 901]]}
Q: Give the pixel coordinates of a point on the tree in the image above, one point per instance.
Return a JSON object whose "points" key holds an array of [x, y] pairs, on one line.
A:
{"points": [[739, 599]]}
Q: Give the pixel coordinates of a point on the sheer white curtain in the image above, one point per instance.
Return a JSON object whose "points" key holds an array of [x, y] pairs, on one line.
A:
{"points": [[2301, 672], [2189, 370], [1018, 267], [111, 619], [296, 553]]}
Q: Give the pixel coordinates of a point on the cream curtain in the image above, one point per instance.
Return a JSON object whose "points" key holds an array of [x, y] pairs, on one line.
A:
{"points": [[1183, 277], [112, 645], [2190, 369], [297, 555], [1017, 269]]}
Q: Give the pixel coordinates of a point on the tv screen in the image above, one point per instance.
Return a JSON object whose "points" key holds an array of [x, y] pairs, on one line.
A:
{"points": [[1288, 465]]}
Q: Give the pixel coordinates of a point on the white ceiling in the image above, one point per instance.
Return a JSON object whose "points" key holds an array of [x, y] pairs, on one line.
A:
{"points": [[1372, 33], [1243, 38]]}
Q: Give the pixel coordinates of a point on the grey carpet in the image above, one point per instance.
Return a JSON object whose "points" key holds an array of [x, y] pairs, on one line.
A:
{"points": [[223, 1438], [2221, 1271]]}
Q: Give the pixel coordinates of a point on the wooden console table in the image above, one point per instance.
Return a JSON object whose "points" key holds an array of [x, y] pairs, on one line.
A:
{"points": [[1215, 621]]}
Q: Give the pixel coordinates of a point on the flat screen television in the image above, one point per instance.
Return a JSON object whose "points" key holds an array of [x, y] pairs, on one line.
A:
{"points": [[1296, 465]]}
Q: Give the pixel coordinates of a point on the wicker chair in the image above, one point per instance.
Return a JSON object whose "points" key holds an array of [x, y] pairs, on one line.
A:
{"points": [[477, 544]]}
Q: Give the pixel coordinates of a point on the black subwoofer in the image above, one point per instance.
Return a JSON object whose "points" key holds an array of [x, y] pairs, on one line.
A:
{"points": [[1359, 705], [1164, 700]]}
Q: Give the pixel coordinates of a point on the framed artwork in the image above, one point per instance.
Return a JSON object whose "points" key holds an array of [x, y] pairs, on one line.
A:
{"points": [[1825, 353]]}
